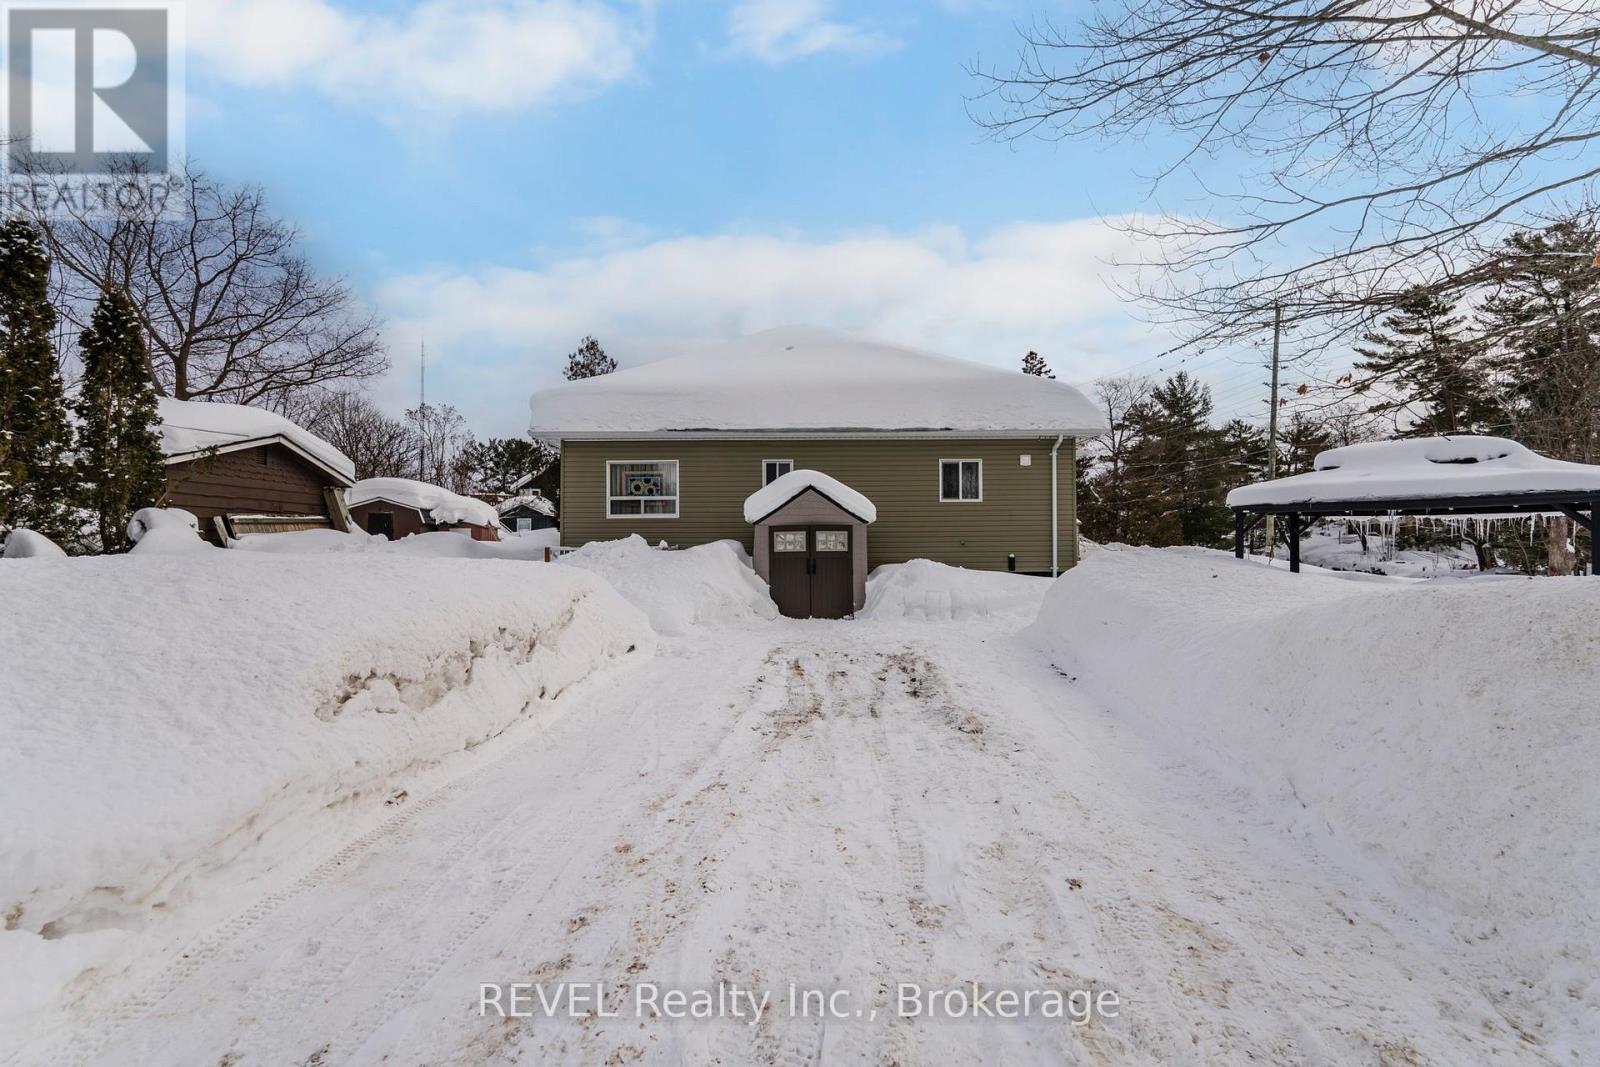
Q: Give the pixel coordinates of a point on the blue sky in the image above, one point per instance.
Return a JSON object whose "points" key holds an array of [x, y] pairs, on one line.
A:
{"points": [[505, 177]]}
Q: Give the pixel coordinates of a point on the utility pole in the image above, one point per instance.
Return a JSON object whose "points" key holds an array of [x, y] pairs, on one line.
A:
{"points": [[422, 411], [1272, 423]]}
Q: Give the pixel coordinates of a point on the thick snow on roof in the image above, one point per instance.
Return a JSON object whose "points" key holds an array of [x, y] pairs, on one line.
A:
{"points": [[537, 501], [778, 492], [1424, 467], [804, 380], [444, 505], [189, 426]]}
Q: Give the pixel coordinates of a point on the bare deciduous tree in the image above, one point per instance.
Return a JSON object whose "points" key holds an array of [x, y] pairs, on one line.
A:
{"points": [[1377, 144], [231, 308], [445, 446], [378, 445]]}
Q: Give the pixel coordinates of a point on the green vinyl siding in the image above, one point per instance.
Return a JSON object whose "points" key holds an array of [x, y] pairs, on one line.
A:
{"points": [[900, 476]]}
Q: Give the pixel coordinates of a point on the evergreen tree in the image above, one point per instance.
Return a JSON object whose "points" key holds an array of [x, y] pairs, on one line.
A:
{"points": [[1543, 326], [120, 455], [36, 487], [1184, 465], [1034, 364], [589, 361], [1422, 357], [500, 462]]}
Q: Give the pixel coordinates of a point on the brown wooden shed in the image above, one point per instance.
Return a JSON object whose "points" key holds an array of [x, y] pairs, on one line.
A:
{"points": [[242, 470], [400, 507], [811, 544]]}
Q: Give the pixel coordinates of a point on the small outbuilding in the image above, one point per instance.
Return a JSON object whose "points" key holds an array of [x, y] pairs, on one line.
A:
{"points": [[811, 544], [399, 507], [1457, 476], [525, 511], [242, 470]]}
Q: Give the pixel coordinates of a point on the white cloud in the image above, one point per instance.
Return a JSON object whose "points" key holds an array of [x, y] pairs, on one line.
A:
{"points": [[496, 333], [780, 30], [438, 56]]}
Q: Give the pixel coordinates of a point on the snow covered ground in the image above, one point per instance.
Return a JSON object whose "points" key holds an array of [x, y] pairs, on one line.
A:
{"points": [[1441, 733], [1250, 804], [1328, 545], [171, 717]]}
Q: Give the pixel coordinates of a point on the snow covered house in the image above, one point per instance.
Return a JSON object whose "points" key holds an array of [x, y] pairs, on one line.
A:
{"points": [[400, 507], [241, 470], [529, 510], [967, 464]]}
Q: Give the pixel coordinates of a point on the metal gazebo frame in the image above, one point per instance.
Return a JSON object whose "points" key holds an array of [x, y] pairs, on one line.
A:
{"points": [[1572, 505]]}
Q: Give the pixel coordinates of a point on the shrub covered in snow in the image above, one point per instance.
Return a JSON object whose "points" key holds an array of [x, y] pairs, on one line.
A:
{"points": [[1445, 730], [923, 589], [165, 532], [707, 584], [29, 544], [231, 702]]}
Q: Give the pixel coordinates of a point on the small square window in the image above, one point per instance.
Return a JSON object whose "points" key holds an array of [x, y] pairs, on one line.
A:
{"points": [[773, 469], [961, 479], [788, 540], [833, 541]]}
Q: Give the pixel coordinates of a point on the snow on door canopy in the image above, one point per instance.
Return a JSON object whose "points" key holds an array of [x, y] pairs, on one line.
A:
{"points": [[1421, 468], [775, 494]]}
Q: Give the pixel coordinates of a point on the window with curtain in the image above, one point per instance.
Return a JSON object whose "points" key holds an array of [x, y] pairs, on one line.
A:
{"points": [[645, 488]]}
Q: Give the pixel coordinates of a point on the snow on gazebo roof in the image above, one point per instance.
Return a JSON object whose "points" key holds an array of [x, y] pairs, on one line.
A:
{"points": [[443, 505], [778, 492], [189, 427], [1423, 469], [810, 381]]}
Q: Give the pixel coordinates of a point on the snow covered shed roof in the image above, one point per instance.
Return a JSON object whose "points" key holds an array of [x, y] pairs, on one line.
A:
{"points": [[190, 427], [778, 492], [533, 501], [441, 504], [805, 381], [1444, 468]]}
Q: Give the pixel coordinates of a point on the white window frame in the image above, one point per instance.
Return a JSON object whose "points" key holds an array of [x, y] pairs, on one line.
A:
{"points": [[677, 500], [764, 482], [961, 499]]}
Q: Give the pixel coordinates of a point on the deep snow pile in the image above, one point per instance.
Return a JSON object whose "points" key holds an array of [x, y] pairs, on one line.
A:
{"points": [[166, 717], [1443, 730], [707, 584], [439, 503], [438, 544], [923, 589]]}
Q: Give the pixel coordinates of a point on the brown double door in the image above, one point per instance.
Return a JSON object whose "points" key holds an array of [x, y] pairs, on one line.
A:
{"points": [[810, 571]]}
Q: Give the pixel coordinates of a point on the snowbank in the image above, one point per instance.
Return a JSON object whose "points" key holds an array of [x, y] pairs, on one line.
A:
{"points": [[1423, 467], [169, 718], [704, 585], [29, 544], [778, 492], [443, 505], [923, 589], [438, 544], [1444, 730], [191, 426]]}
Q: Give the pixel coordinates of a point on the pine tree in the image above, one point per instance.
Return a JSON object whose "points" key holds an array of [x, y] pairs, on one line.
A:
{"points": [[36, 486], [120, 454], [1423, 359], [1185, 465], [589, 361], [1034, 364]]}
